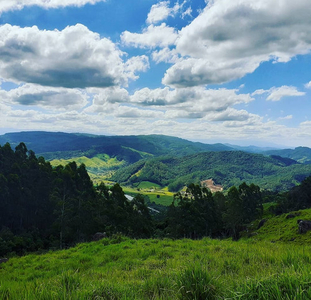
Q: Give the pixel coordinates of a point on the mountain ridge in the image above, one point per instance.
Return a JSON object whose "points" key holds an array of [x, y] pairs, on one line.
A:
{"points": [[117, 156]]}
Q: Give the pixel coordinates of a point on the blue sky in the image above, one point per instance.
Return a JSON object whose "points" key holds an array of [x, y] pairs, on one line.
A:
{"points": [[212, 71]]}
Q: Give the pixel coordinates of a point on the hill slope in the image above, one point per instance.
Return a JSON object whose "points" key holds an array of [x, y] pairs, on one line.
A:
{"points": [[301, 154], [119, 268], [103, 154], [48, 142], [283, 228], [226, 168]]}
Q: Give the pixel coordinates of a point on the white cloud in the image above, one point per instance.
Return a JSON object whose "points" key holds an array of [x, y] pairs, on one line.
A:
{"points": [[284, 91], [73, 57], [194, 102], [46, 97], [159, 12], [136, 64], [165, 55], [231, 38], [162, 11], [187, 12], [308, 85], [193, 72], [260, 92], [187, 103], [228, 125], [134, 112], [7, 5], [277, 93], [288, 117], [233, 115], [106, 100], [151, 37]]}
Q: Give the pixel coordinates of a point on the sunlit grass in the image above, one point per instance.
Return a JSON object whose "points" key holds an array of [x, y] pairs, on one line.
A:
{"points": [[155, 193], [121, 268]]}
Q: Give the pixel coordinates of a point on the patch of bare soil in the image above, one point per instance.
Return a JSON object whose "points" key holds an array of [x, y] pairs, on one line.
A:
{"points": [[210, 184]]}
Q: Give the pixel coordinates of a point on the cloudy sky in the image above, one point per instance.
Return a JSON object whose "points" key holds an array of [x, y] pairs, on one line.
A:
{"points": [[236, 71]]}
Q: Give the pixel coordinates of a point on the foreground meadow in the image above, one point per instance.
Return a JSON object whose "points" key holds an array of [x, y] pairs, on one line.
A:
{"points": [[121, 268]]}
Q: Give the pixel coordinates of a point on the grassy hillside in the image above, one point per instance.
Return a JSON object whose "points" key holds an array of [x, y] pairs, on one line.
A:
{"points": [[120, 268], [154, 192], [283, 229], [226, 168], [99, 166]]}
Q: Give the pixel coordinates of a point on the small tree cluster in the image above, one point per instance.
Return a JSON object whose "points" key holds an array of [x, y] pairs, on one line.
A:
{"points": [[199, 213]]}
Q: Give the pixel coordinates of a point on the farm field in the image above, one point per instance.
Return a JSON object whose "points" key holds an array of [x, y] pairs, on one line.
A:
{"points": [[155, 193]]}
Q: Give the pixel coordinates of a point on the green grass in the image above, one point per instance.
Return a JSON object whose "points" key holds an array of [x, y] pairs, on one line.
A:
{"points": [[100, 161], [155, 193], [148, 185], [283, 229], [120, 268], [99, 167], [142, 153]]}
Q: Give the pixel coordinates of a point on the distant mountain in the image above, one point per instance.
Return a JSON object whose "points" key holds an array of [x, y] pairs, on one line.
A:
{"points": [[225, 168], [131, 148], [103, 154], [167, 160], [251, 148], [300, 154]]}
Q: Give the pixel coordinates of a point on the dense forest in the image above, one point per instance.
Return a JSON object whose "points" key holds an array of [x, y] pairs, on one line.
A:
{"points": [[227, 168], [44, 207]]}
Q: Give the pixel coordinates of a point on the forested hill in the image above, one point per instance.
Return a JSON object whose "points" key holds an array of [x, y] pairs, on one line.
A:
{"points": [[129, 148], [140, 158], [226, 168], [301, 154]]}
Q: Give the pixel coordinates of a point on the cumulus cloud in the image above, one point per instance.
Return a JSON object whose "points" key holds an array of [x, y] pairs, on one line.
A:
{"points": [[165, 55], [192, 103], [162, 11], [231, 38], [136, 64], [197, 98], [135, 112], [234, 115], [106, 100], [159, 12], [277, 93], [151, 37], [187, 103], [19, 4], [71, 58], [46, 97], [199, 71], [308, 85]]}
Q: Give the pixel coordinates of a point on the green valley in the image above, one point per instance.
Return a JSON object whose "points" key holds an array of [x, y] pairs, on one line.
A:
{"points": [[226, 168], [168, 161]]}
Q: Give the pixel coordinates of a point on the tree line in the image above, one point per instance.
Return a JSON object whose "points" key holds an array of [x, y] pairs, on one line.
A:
{"points": [[198, 212], [42, 207]]}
